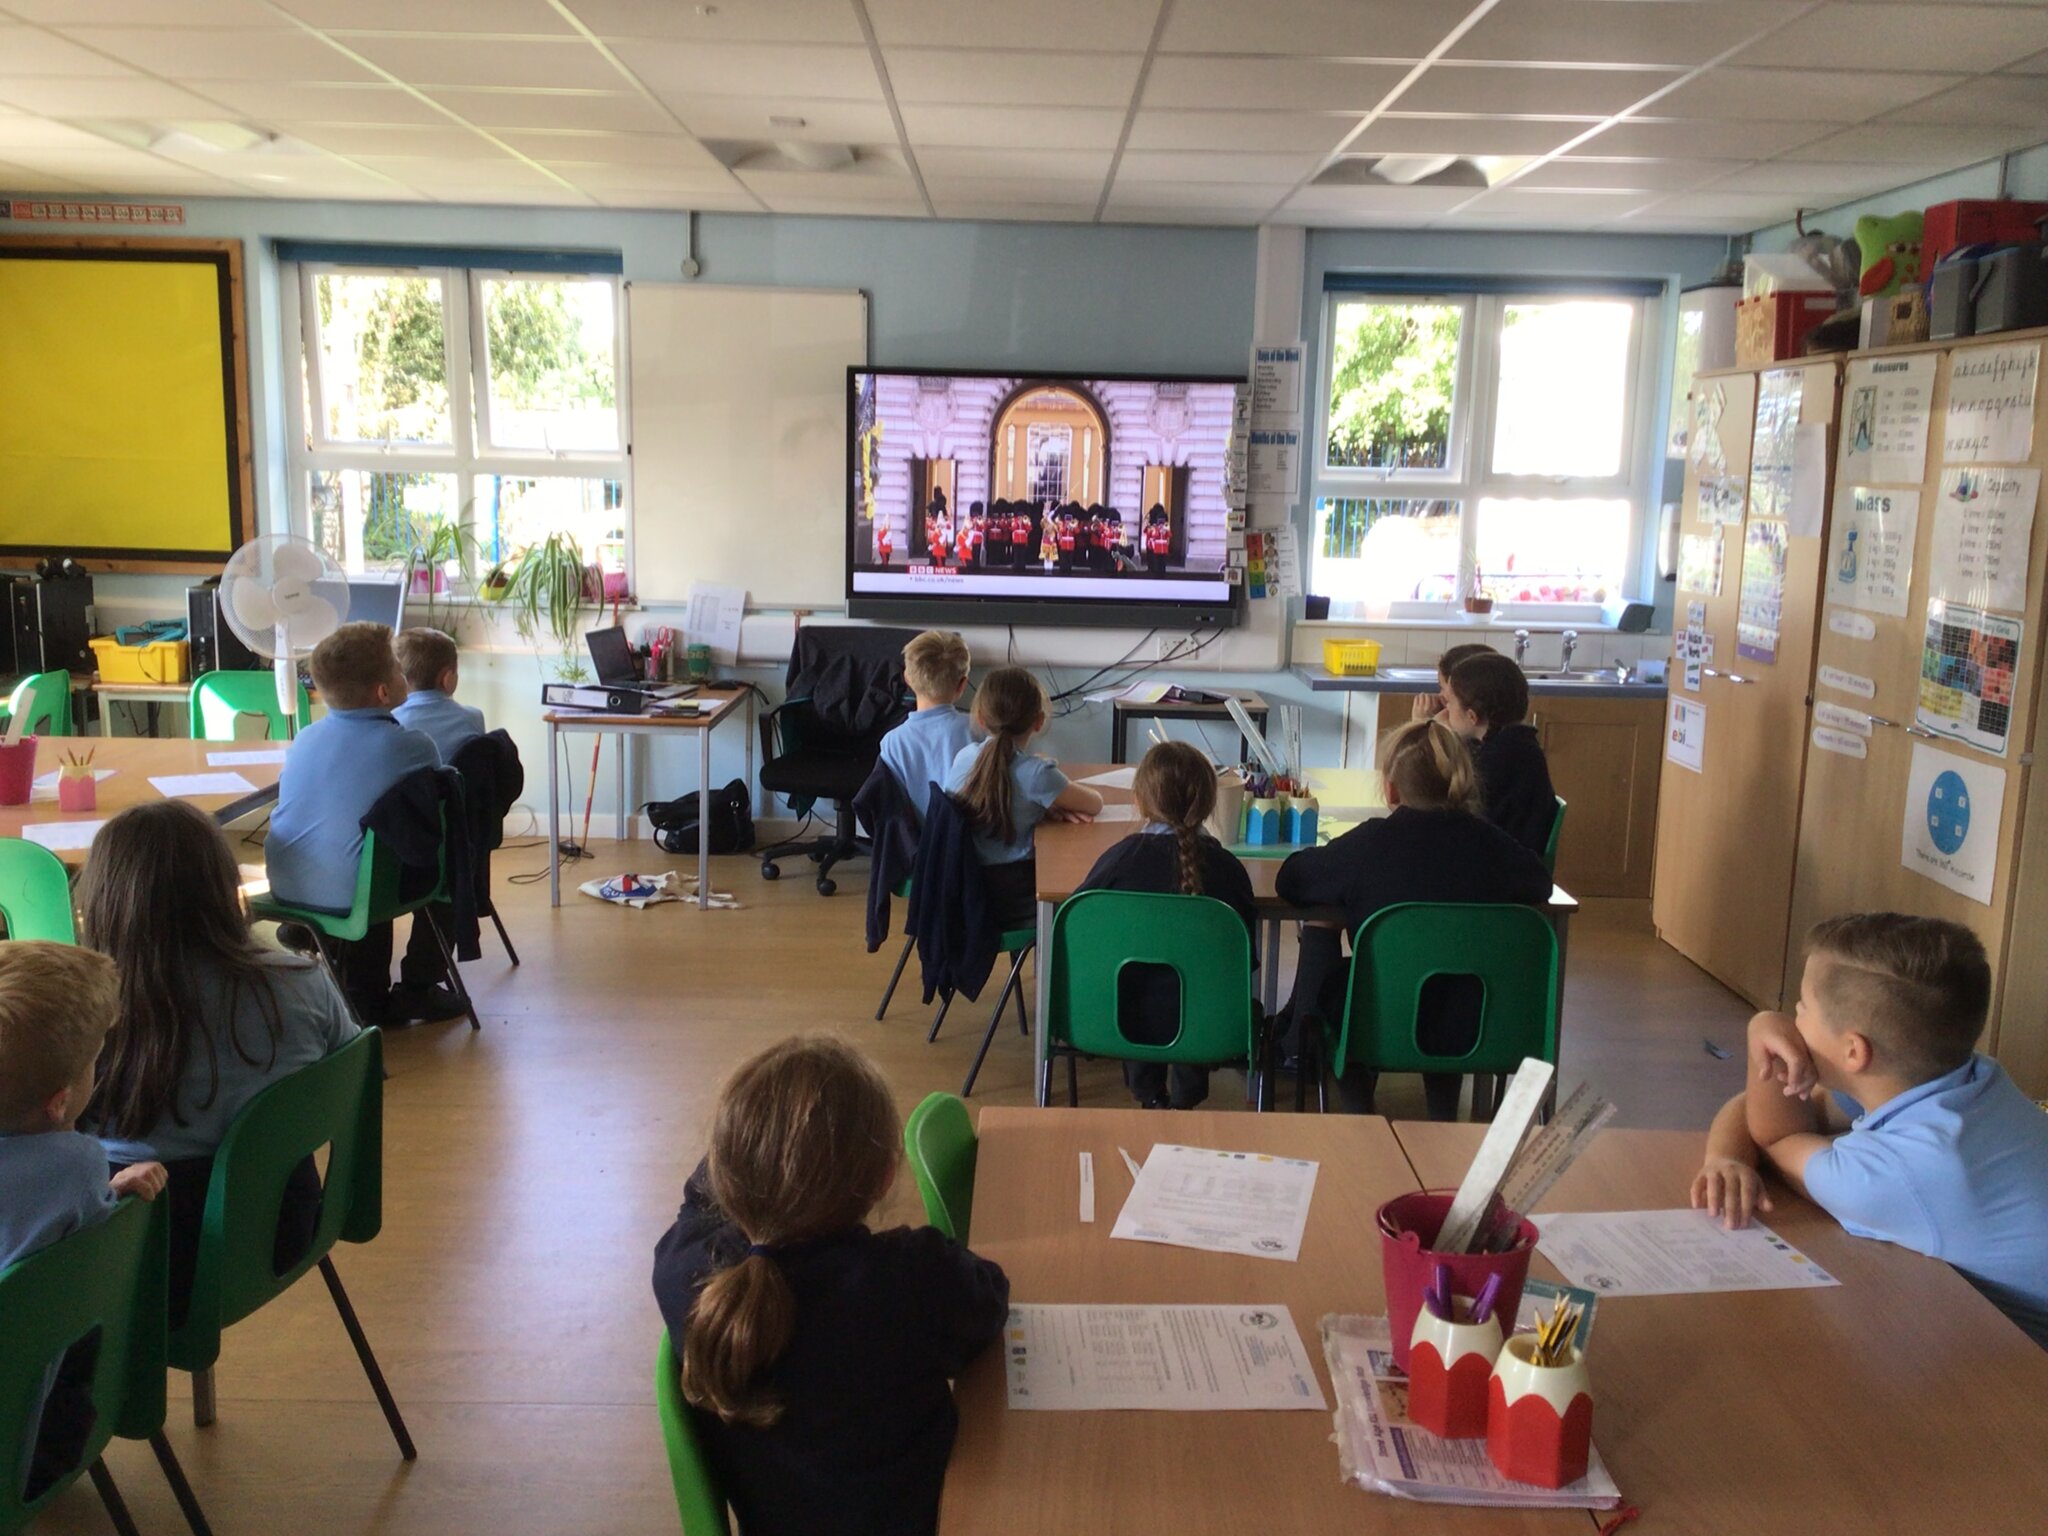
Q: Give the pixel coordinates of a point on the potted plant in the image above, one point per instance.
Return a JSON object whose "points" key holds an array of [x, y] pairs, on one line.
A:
{"points": [[549, 590], [438, 566]]}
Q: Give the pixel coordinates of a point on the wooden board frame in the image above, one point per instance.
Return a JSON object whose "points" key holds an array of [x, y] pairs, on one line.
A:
{"points": [[227, 256]]}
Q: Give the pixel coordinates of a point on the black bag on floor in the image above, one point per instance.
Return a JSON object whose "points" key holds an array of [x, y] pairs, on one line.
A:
{"points": [[732, 821]]}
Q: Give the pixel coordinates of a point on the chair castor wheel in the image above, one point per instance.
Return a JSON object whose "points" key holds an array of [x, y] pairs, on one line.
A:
{"points": [[826, 885], [770, 872], [816, 855]]}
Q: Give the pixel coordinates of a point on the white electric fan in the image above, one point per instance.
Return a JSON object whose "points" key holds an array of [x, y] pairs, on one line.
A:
{"points": [[283, 596]]}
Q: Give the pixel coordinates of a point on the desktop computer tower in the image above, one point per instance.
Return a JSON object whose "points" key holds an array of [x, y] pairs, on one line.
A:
{"points": [[215, 647], [51, 624]]}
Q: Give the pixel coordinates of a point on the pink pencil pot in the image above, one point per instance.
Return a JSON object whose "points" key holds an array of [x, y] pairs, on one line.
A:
{"points": [[17, 771], [1408, 1225], [78, 791], [1539, 1418]]}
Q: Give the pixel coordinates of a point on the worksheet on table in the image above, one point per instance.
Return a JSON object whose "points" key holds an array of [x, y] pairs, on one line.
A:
{"points": [[172, 785], [1178, 1358], [1226, 1202], [1672, 1253]]}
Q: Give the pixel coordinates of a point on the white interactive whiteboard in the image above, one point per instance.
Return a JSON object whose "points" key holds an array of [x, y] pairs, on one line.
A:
{"points": [[739, 439]]}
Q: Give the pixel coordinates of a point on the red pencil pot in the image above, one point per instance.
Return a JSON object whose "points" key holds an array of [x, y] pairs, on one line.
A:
{"points": [[1408, 1225], [77, 791], [1539, 1418], [17, 771], [1450, 1362]]}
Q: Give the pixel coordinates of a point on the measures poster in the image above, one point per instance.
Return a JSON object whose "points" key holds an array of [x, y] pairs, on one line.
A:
{"points": [[1966, 672], [1870, 549], [1886, 405]]}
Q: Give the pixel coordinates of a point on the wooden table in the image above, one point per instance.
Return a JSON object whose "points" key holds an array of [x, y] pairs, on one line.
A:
{"points": [[136, 760], [1123, 711], [1899, 1401], [730, 702], [1180, 1474], [179, 694], [1065, 852]]}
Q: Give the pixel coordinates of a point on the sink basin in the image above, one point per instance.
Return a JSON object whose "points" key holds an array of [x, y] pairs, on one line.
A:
{"points": [[1426, 676], [1410, 675]]}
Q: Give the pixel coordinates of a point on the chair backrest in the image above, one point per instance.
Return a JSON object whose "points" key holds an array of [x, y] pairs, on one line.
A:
{"points": [[43, 699], [35, 893], [939, 1141], [1550, 843], [698, 1500], [1095, 934], [111, 1278], [218, 699], [337, 1103], [1512, 950]]}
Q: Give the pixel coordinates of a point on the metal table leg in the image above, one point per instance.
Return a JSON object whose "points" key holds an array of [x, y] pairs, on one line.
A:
{"points": [[554, 814], [1041, 1004], [619, 773], [704, 818]]}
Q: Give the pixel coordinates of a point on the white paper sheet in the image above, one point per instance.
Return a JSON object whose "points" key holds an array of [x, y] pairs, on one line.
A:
{"points": [[1276, 383], [1685, 734], [1887, 404], [1950, 829], [1131, 1164], [270, 755], [713, 619], [174, 786], [1991, 405], [1275, 455], [1115, 778], [1672, 1253], [1870, 549], [1808, 495], [1983, 529], [1179, 1358], [1087, 1186], [1224, 1202], [1117, 813], [57, 836]]}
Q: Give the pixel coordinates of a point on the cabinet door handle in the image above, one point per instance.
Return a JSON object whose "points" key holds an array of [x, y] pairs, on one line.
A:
{"points": [[1729, 677]]}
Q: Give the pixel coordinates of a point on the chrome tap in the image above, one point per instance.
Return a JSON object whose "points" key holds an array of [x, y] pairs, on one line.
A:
{"points": [[1521, 647], [1571, 643]]}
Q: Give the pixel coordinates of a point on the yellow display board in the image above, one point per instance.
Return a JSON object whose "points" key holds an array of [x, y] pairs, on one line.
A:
{"points": [[121, 423]]}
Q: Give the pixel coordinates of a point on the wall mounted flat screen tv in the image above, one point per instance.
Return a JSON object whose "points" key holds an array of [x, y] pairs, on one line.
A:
{"points": [[992, 497]]}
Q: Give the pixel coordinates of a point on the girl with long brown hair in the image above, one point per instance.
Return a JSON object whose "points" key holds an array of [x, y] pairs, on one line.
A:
{"points": [[209, 1016], [1175, 787], [817, 1354], [1008, 789], [1432, 845]]}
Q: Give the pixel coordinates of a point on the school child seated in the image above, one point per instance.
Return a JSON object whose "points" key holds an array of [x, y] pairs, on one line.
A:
{"points": [[432, 669], [337, 769], [1433, 845], [1916, 1140], [209, 1016], [1008, 789], [1486, 699], [921, 750], [57, 1003], [1427, 705], [816, 1353], [1175, 787]]}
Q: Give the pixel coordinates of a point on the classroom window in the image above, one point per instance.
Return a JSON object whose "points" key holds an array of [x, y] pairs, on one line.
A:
{"points": [[454, 417], [1479, 443]]}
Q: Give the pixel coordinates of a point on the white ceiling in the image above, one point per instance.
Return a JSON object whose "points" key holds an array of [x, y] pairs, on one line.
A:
{"points": [[1688, 115]]}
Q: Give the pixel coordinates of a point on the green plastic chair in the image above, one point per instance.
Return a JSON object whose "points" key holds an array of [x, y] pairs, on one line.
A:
{"points": [[698, 1499], [901, 891], [44, 700], [337, 1103], [377, 900], [1511, 949], [1095, 934], [35, 893], [1556, 831], [218, 699], [109, 1279], [940, 1145], [1017, 943]]}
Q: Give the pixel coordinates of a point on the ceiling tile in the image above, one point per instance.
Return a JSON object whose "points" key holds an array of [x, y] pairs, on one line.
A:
{"points": [[28, 51], [1118, 25], [1080, 194], [110, 168], [866, 182], [325, 103], [643, 178], [973, 77], [1759, 208], [737, 200], [103, 96], [620, 111], [1535, 203], [500, 18], [997, 127], [1683, 32], [1194, 218], [26, 178], [2016, 101], [839, 207], [1663, 221], [525, 64], [1304, 132], [484, 177], [1814, 181], [183, 13], [673, 151], [1577, 173], [1798, 95], [1700, 137], [1922, 144], [1297, 84], [1961, 37], [750, 21], [1279, 171], [1036, 213], [1396, 133], [747, 117], [21, 133], [440, 140], [2037, 65], [1047, 164], [1550, 92], [824, 72], [1409, 202], [236, 53], [1386, 29]]}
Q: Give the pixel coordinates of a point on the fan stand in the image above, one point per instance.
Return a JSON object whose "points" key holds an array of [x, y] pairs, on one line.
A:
{"points": [[287, 684]]}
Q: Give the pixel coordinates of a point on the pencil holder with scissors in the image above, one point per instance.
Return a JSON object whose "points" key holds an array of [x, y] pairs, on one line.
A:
{"points": [[1408, 1226], [1539, 1417], [1450, 1361]]}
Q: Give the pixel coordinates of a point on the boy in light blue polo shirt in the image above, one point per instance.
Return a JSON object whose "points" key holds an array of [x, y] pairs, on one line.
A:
{"points": [[1943, 1154], [921, 750], [432, 669]]}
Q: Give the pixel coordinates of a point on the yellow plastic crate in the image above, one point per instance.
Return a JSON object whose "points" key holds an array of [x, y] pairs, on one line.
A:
{"points": [[1351, 658], [161, 661]]}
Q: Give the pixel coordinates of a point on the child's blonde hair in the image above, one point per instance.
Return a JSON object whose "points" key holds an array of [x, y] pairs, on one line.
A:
{"points": [[802, 1146], [57, 1003], [1007, 706], [424, 655], [1917, 987], [1429, 768], [1176, 785], [935, 664], [349, 664]]}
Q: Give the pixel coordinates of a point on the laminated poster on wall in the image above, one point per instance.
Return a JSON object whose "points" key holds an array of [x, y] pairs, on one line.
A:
{"points": [[1708, 406], [1773, 450], [1685, 734], [1870, 549], [1966, 672], [1721, 499], [1276, 384], [1762, 606], [1991, 404], [1950, 830], [1694, 648], [1886, 406], [1699, 563], [1275, 461], [1983, 530]]}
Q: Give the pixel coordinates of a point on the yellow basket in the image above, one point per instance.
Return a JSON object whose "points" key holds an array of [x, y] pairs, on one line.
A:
{"points": [[160, 661], [1351, 658]]}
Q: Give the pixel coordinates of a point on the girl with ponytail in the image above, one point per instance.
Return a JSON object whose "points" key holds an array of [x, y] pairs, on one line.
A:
{"points": [[1175, 787], [1433, 845], [817, 1354]]}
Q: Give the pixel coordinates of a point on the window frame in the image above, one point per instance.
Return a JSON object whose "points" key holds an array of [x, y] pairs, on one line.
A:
{"points": [[470, 455]]}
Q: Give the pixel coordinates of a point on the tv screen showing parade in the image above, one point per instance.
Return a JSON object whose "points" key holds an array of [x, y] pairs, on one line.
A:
{"points": [[1073, 499]]}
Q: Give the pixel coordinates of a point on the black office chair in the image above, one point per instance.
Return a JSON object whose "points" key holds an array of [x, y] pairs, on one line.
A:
{"points": [[844, 693]]}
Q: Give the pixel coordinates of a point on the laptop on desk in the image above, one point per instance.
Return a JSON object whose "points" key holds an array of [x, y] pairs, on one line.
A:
{"points": [[612, 658]]}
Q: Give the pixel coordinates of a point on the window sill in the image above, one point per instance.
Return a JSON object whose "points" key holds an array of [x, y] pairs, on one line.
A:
{"points": [[1465, 621]]}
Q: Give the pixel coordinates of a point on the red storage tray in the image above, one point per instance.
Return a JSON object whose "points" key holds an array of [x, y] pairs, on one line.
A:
{"points": [[1978, 221]]}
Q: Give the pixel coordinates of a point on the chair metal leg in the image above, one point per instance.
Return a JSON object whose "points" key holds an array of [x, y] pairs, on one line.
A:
{"points": [[995, 1019], [181, 1490], [117, 1507], [355, 1336], [945, 1002], [909, 943], [448, 964], [1023, 1018], [202, 1398], [1073, 1081], [334, 975], [504, 938]]}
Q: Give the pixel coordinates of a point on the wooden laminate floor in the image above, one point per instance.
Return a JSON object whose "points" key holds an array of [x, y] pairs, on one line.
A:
{"points": [[529, 1170]]}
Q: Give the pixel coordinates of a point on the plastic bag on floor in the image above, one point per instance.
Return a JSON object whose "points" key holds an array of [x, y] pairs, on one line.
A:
{"points": [[641, 891]]}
